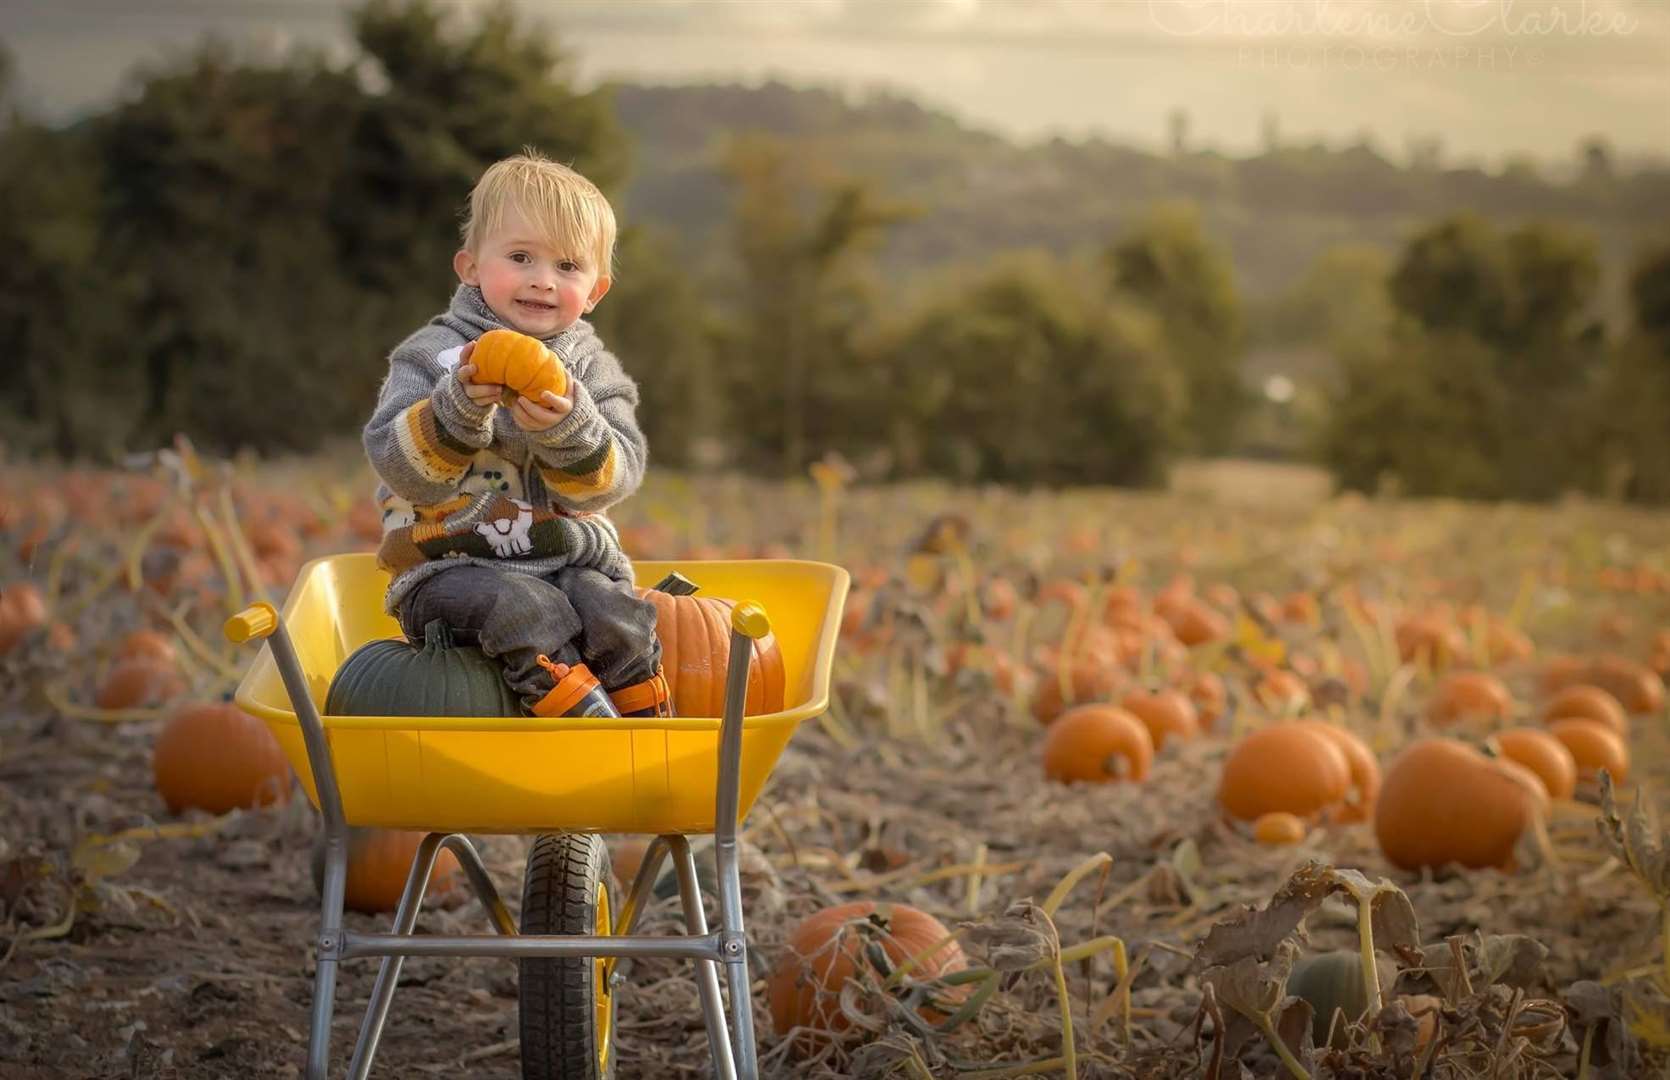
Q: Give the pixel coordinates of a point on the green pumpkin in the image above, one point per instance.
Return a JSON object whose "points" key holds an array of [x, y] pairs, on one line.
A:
{"points": [[1329, 981], [395, 678]]}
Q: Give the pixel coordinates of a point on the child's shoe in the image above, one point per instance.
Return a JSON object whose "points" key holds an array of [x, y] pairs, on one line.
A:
{"points": [[577, 693], [652, 697]]}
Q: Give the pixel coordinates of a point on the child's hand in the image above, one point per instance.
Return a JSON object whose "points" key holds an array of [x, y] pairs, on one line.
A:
{"points": [[480, 393], [538, 417]]}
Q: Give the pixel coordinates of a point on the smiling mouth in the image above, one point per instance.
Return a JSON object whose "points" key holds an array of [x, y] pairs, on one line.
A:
{"points": [[537, 305]]}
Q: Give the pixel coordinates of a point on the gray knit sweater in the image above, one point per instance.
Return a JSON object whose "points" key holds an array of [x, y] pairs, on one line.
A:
{"points": [[429, 443]]}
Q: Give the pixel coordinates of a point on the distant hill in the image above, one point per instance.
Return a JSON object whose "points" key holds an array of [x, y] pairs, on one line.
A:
{"points": [[980, 192]]}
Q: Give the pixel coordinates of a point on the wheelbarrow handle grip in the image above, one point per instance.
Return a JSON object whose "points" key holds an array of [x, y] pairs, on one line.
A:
{"points": [[258, 620], [749, 619]]}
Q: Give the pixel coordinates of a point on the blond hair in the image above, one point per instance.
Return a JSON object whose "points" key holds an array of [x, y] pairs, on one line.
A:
{"points": [[568, 209]]}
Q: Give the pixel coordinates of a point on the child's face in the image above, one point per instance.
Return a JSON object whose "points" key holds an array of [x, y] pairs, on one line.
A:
{"points": [[528, 284]]}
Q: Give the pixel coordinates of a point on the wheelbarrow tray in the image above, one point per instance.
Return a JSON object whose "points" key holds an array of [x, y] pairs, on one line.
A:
{"points": [[498, 774]]}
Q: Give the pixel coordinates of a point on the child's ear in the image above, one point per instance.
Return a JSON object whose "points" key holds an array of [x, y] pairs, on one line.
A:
{"points": [[464, 265], [597, 292]]}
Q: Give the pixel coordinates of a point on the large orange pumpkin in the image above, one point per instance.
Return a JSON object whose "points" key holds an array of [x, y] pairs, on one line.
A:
{"points": [[1443, 802], [215, 757], [695, 633], [1097, 743], [824, 952], [1287, 767], [1544, 755]]}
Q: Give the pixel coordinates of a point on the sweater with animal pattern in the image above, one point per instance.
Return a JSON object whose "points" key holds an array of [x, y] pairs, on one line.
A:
{"points": [[435, 451]]}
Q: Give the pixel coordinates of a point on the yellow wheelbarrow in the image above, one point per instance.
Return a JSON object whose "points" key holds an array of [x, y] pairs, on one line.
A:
{"points": [[563, 780]]}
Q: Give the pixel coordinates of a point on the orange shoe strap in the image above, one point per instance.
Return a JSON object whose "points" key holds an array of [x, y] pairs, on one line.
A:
{"points": [[653, 692]]}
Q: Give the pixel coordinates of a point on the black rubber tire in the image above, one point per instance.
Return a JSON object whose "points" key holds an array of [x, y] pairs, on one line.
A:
{"points": [[558, 1013]]}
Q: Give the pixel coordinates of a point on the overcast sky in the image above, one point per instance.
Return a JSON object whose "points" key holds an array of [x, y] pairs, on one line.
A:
{"points": [[1490, 77]]}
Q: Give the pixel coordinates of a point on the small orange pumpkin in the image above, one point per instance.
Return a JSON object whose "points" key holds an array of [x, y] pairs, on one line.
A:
{"points": [[824, 951], [1583, 702], [1278, 828], [214, 756], [695, 633], [1287, 767], [1544, 755], [519, 363], [1364, 768], [1463, 695], [1593, 746], [1167, 714], [137, 681], [1088, 680], [149, 644], [21, 611], [1432, 636], [1097, 743], [1638, 688], [378, 862]]}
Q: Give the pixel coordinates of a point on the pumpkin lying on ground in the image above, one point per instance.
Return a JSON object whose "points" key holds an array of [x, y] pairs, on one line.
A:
{"points": [[1332, 982], [1544, 755], [137, 681], [1464, 695], [1167, 714], [824, 951], [1361, 763], [1594, 747], [21, 610], [1278, 828], [216, 757], [1097, 743], [1583, 702], [378, 862], [1288, 767], [1443, 802]]}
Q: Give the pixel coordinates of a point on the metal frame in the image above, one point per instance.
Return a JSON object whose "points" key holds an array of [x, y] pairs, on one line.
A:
{"points": [[732, 1045]]}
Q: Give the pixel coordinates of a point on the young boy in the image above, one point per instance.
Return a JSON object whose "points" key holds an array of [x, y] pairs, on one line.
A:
{"points": [[491, 511]]}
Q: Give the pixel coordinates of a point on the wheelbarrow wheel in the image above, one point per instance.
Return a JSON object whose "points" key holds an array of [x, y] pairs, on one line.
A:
{"points": [[566, 1004]]}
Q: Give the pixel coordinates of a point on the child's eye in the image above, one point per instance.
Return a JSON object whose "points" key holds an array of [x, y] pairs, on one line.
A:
{"points": [[518, 256], [568, 266]]}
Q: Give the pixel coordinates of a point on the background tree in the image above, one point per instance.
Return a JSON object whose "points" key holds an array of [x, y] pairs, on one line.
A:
{"points": [[788, 362], [1028, 375], [1166, 264]]}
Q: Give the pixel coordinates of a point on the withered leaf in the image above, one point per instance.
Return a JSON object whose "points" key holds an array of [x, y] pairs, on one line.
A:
{"points": [[1399, 1031], [1018, 939], [1446, 962], [1259, 933], [1612, 1048], [1511, 959], [1635, 842], [1294, 1028]]}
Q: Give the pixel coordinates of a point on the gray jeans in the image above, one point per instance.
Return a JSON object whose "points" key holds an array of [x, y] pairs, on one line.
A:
{"points": [[572, 615]]}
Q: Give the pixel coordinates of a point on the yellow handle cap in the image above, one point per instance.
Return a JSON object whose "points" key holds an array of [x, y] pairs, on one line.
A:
{"points": [[258, 620], [748, 618]]}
